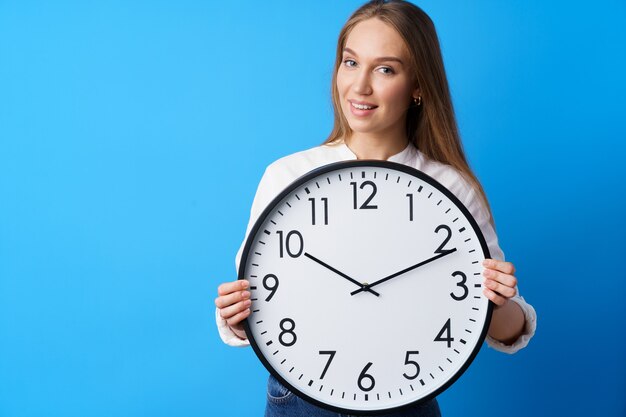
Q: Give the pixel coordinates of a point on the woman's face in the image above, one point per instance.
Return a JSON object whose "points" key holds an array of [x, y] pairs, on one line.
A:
{"points": [[374, 81]]}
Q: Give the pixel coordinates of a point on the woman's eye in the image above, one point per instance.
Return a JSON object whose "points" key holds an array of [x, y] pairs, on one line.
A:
{"points": [[349, 63], [386, 70]]}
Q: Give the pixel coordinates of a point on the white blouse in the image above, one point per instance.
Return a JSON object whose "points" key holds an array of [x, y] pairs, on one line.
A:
{"points": [[284, 171]]}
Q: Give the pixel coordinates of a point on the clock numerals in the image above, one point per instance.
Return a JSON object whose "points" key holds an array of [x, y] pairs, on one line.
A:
{"points": [[287, 327], [353, 381], [331, 356], [366, 204], [369, 379], [325, 204], [293, 249], [445, 334], [460, 284], [410, 197], [441, 249], [270, 283], [407, 361]]}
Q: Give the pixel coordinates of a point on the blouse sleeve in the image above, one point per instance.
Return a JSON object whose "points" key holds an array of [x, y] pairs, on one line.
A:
{"points": [[268, 188], [479, 212]]}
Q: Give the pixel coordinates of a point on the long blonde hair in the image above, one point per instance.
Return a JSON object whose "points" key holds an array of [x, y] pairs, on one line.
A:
{"points": [[431, 127]]}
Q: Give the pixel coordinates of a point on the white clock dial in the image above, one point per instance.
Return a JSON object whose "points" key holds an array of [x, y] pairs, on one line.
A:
{"points": [[366, 287]]}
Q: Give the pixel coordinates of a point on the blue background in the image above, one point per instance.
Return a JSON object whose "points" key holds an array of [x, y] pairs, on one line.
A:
{"points": [[132, 138]]}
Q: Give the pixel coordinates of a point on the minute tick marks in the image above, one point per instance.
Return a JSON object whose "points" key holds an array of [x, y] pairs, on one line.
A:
{"points": [[302, 220]]}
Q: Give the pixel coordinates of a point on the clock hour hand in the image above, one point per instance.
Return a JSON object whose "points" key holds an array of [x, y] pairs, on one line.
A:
{"points": [[336, 271], [380, 281]]}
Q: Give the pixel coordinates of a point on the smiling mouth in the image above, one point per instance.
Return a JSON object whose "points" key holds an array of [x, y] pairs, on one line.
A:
{"points": [[362, 106]]}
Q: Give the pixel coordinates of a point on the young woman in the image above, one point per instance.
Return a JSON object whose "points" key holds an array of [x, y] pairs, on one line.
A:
{"points": [[391, 102]]}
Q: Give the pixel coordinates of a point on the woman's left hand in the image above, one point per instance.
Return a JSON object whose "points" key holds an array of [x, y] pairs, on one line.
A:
{"points": [[499, 281]]}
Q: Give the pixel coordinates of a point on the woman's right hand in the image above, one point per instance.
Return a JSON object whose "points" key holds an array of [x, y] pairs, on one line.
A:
{"points": [[233, 303]]}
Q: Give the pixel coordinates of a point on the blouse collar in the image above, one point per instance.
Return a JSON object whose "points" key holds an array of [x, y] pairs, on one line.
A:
{"points": [[405, 156]]}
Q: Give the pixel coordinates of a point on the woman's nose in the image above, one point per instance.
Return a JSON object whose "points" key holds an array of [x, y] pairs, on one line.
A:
{"points": [[362, 83]]}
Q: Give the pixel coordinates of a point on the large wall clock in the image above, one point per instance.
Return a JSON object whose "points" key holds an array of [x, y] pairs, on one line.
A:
{"points": [[366, 287]]}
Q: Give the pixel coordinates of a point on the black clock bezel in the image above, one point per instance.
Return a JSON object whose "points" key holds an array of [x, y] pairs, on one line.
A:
{"points": [[335, 166]]}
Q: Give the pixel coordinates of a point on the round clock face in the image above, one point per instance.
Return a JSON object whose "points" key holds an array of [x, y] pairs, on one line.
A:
{"points": [[366, 282]]}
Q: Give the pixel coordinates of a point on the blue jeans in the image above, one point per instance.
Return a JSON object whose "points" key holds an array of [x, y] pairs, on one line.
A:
{"points": [[283, 403]]}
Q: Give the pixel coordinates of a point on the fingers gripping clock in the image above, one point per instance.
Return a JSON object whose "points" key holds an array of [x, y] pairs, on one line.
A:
{"points": [[339, 252]]}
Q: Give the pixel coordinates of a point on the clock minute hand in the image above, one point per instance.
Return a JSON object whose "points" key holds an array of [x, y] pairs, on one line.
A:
{"points": [[338, 272], [380, 281]]}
